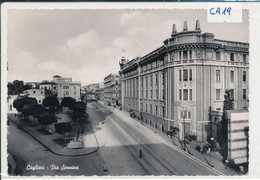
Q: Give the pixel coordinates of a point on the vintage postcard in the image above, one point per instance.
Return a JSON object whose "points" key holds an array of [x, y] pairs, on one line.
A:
{"points": [[129, 89]]}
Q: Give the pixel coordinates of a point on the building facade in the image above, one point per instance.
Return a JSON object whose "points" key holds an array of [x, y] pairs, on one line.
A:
{"points": [[100, 93], [38, 94], [49, 85], [183, 82], [67, 88], [111, 89], [10, 101]]}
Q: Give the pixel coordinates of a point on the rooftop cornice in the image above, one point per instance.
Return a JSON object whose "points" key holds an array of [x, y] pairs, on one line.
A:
{"points": [[210, 45], [185, 32]]}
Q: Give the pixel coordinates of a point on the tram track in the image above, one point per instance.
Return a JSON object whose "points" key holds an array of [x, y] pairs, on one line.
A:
{"points": [[147, 164], [153, 163]]}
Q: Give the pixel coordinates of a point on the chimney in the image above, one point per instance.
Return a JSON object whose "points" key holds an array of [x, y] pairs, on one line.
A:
{"points": [[185, 26], [174, 30], [197, 27]]}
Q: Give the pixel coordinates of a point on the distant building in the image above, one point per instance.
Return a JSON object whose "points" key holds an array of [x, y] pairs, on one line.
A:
{"points": [[83, 90], [111, 89], [183, 82], [101, 92], [92, 88], [49, 85], [38, 94], [10, 101], [34, 85], [67, 88]]}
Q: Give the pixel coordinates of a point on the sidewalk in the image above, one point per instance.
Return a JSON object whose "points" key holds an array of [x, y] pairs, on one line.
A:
{"points": [[48, 141], [213, 158]]}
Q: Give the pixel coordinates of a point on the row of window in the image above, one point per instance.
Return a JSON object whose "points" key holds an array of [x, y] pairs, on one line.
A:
{"points": [[151, 65], [151, 80], [131, 87], [231, 76], [218, 94], [144, 94], [48, 87], [185, 114], [67, 93], [35, 92], [67, 87], [185, 75], [185, 94], [187, 54], [162, 110]]}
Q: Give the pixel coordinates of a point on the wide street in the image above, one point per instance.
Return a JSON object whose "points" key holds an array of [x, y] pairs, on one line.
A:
{"points": [[120, 138]]}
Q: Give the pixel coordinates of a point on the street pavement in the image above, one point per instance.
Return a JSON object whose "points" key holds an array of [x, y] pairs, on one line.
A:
{"points": [[117, 134], [27, 152], [213, 158]]}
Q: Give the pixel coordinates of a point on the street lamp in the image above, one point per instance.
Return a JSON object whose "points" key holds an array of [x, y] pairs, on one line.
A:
{"points": [[211, 138]]}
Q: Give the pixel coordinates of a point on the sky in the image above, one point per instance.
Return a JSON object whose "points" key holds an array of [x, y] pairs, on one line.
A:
{"points": [[87, 45]]}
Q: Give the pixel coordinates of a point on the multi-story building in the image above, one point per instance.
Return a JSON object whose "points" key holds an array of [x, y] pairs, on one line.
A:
{"points": [[67, 88], [111, 89], [49, 85], [92, 88], [38, 94], [101, 91], [183, 82]]}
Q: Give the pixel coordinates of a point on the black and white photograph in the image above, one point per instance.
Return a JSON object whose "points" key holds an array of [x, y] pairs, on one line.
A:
{"points": [[126, 92]]}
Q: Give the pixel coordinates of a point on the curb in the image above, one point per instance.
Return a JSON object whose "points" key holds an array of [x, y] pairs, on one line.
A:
{"points": [[181, 151], [187, 154], [49, 149]]}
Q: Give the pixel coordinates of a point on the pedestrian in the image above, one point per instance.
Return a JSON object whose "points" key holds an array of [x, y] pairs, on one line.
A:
{"points": [[226, 163], [140, 153]]}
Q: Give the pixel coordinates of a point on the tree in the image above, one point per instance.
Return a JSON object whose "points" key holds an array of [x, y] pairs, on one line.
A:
{"points": [[19, 103], [28, 109], [68, 102], [191, 137], [227, 105], [37, 110], [80, 118], [15, 88], [172, 132], [79, 106], [77, 128], [63, 128], [46, 118], [27, 86], [79, 110], [50, 102]]}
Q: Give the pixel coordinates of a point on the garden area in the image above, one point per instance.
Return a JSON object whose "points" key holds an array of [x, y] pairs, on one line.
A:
{"points": [[62, 122]]}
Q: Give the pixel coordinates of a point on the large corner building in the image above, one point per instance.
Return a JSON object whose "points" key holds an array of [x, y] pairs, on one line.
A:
{"points": [[183, 82]]}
